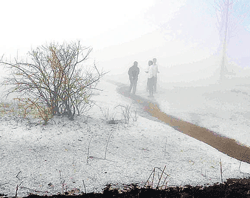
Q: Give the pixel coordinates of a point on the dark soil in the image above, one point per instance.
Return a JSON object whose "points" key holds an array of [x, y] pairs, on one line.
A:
{"points": [[231, 188]]}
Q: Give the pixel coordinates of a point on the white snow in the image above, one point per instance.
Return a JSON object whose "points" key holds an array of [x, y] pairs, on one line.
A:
{"points": [[67, 153], [192, 93]]}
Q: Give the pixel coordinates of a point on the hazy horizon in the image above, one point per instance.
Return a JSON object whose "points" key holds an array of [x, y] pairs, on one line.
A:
{"points": [[174, 32]]}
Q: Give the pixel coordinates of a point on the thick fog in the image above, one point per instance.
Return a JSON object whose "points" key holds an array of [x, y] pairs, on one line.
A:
{"points": [[182, 35]]}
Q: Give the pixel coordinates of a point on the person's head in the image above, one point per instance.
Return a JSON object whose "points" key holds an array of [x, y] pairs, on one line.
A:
{"points": [[154, 60], [135, 63], [150, 62]]}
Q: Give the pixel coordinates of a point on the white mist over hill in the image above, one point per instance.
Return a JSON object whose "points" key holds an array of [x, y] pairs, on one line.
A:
{"points": [[182, 35]]}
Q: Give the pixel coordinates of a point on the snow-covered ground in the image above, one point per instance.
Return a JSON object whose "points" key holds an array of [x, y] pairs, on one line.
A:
{"points": [[223, 108], [90, 152]]}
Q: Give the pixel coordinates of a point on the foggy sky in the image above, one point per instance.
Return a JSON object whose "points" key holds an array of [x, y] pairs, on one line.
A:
{"points": [[120, 31]]}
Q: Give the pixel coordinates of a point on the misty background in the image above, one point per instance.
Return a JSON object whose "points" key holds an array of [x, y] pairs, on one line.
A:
{"points": [[182, 35]]}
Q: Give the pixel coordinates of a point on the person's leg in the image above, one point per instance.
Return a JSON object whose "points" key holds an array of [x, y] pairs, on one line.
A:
{"points": [[150, 87], [151, 94], [147, 85], [155, 83], [134, 86], [131, 85]]}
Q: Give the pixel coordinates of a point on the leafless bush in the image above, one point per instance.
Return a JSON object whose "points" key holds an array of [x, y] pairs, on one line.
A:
{"points": [[128, 113], [160, 176], [52, 82], [109, 116], [134, 116]]}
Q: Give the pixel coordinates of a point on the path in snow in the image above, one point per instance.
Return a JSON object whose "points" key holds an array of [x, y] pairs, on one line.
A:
{"points": [[225, 145]]}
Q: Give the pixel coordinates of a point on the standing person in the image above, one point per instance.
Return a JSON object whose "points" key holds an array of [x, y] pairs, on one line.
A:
{"points": [[133, 73], [155, 71], [150, 82]]}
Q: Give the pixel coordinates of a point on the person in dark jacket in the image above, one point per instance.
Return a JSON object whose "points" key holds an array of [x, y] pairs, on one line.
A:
{"points": [[133, 73]]}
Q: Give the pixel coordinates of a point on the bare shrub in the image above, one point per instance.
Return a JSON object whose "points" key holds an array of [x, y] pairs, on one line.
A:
{"points": [[109, 116], [55, 81], [128, 113]]}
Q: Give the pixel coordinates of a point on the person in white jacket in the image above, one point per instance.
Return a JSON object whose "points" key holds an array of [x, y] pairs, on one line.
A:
{"points": [[150, 82], [155, 72]]}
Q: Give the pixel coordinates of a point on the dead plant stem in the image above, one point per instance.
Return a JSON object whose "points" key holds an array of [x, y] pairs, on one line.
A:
{"points": [[84, 186], [221, 171], [107, 144], [153, 178], [88, 149], [149, 177], [161, 176]]}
